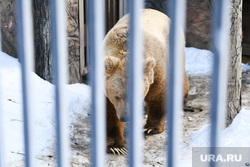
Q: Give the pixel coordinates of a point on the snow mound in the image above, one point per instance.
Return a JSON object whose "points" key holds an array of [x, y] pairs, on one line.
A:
{"points": [[78, 99], [236, 135], [198, 61]]}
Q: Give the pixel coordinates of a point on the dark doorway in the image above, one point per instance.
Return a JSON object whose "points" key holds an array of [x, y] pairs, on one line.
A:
{"points": [[246, 28], [112, 13]]}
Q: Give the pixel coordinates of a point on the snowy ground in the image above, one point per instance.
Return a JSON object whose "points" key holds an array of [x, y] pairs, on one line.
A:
{"points": [[195, 124]]}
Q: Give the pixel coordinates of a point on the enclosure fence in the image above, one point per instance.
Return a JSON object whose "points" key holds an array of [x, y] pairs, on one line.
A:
{"points": [[176, 10]]}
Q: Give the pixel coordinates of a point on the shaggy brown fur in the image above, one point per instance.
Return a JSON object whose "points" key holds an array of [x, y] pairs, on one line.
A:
{"points": [[155, 28]]}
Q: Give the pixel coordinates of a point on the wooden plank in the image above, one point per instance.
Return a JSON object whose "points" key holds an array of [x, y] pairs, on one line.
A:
{"points": [[116, 11], [235, 58], [82, 38], [107, 11], [121, 8], [112, 13]]}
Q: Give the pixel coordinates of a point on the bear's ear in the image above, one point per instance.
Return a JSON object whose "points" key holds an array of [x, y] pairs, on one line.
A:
{"points": [[111, 64], [149, 65]]}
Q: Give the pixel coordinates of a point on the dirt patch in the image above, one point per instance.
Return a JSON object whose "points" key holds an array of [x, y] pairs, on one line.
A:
{"points": [[154, 147]]}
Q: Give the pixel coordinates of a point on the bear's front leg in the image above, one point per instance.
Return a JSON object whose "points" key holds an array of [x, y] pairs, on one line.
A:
{"points": [[156, 117], [116, 143]]}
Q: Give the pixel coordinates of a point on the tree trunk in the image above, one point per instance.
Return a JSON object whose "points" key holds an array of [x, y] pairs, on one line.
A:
{"points": [[8, 27], [42, 37], [234, 78]]}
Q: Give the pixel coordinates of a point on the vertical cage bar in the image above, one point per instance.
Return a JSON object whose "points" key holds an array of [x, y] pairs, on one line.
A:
{"points": [[2, 141], [177, 13], [221, 33], [2, 138], [98, 113], [25, 54], [60, 55], [135, 78], [0, 31]]}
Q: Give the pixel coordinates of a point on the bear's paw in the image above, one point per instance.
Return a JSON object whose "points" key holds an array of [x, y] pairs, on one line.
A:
{"points": [[118, 151], [152, 130]]}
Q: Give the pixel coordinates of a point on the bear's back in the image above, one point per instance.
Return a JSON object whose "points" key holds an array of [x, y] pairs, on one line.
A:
{"points": [[155, 25]]}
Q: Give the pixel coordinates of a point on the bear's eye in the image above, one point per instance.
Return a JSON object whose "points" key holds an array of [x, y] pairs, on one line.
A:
{"points": [[117, 98]]}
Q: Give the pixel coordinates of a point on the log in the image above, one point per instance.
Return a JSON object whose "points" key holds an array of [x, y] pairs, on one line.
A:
{"points": [[234, 78]]}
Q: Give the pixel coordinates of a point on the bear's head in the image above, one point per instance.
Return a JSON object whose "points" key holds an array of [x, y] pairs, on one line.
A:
{"points": [[116, 82]]}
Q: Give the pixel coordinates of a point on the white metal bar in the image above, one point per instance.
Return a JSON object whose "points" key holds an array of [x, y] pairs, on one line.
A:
{"points": [[221, 33], [1, 31], [60, 55], [135, 78], [177, 10], [2, 139], [98, 113], [26, 56]]}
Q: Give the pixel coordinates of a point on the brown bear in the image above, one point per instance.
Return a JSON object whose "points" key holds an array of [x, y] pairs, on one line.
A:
{"points": [[155, 30]]}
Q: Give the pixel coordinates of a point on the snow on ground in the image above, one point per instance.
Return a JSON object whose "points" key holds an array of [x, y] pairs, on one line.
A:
{"points": [[236, 135], [198, 62], [78, 98], [245, 67]]}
